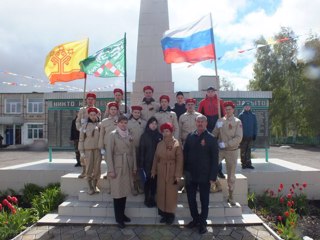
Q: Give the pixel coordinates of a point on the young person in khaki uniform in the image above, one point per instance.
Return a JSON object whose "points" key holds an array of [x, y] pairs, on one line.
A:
{"points": [[118, 97], [89, 150], [187, 121], [228, 130], [136, 126], [166, 115], [107, 126], [167, 166], [121, 160], [82, 119], [149, 106]]}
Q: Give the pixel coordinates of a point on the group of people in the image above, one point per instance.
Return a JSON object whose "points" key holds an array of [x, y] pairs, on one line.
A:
{"points": [[150, 147]]}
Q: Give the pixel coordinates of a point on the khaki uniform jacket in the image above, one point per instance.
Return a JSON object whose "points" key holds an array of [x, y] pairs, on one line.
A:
{"points": [[107, 126], [230, 133], [82, 117], [89, 137], [167, 165], [121, 111], [171, 117], [187, 124], [148, 110], [121, 159], [136, 127]]}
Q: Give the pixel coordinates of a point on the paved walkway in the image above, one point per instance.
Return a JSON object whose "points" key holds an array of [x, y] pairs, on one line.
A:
{"points": [[142, 232]]}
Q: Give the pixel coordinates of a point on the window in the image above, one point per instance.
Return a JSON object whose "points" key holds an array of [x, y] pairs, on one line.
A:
{"points": [[13, 105], [35, 131], [35, 105]]}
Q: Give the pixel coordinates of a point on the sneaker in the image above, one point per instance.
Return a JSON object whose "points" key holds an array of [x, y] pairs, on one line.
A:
{"points": [[192, 224], [250, 167], [202, 229], [221, 175]]}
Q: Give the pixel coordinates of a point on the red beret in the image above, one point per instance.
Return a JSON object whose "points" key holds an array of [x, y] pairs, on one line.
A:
{"points": [[118, 90], [165, 97], [229, 103], [93, 95], [166, 125], [136, 108], [148, 88], [93, 109], [191, 100], [113, 104]]}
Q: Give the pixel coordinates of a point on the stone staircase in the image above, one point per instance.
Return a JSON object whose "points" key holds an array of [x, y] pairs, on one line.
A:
{"points": [[79, 207]]}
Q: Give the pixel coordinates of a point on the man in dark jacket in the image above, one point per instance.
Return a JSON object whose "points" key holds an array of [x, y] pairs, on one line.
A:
{"points": [[74, 136], [249, 124], [200, 169]]}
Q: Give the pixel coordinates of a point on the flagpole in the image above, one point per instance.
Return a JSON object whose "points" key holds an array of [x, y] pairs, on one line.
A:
{"points": [[125, 72], [85, 81], [216, 68]]}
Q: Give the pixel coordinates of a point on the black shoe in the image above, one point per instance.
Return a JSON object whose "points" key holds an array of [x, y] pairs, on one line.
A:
{"points": [[221, 175], [244, 166], [121, 225], [78, 165], [163, 220], [169, 220], [250, 167], [202, 229], [192, 224], [126, 219]]}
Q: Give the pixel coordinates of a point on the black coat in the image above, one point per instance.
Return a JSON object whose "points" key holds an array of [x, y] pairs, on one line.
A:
{"points": [[179, 109], [147, 148], [201, 155], [74, 134]]}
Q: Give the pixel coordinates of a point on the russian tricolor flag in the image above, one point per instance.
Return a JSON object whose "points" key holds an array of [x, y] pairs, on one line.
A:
{"points": [[191, 43]]}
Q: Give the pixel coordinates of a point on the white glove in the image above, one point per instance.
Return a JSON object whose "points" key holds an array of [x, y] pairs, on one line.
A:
{"points": [[222, 145], [83, 121], [82, 155], [102, 151], [219, 124]]}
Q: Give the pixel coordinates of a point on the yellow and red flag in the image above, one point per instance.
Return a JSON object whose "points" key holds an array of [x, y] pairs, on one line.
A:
{"points": [[62, 63]]}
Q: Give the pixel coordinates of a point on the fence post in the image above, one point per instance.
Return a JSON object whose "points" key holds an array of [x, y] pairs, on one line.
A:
{"points": [[50, 154], [267, 154]]}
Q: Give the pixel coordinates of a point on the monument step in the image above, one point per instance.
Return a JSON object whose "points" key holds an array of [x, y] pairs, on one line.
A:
{"points": [[71, 185], [103, 196], [74, 207]]}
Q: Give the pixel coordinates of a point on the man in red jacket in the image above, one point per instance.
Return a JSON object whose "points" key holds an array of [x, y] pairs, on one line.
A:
{"points": [[209, 107]]}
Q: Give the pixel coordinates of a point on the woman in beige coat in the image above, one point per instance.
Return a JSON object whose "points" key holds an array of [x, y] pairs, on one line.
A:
{"points": [[168, 166], [89, 150], [121, 160]]}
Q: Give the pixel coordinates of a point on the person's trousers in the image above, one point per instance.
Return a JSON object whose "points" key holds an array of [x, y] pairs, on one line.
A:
{"points": [[93, 164], [245, 151], [150, 187], [119, 205], [204, 191], [231, 158], [76, 150]]}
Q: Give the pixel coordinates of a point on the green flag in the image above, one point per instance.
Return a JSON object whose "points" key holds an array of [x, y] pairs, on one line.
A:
{"points": [[107, 62]]}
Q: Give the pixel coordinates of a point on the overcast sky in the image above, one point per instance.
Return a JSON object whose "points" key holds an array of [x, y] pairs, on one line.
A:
{"points": [[30, 29]]}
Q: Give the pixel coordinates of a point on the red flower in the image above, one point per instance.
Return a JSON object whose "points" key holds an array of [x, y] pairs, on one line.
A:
{"points": [[300, 188], [280, 218], [291, 190], [281, 186], [286, 214], [289, 204], [9, 198], [281, 200], [0, 207], [279, 189], [271, 193], [289, 196], [304, 184], [5, 202], [297, 184], [14, 200], [293, 186], [292, 202]]}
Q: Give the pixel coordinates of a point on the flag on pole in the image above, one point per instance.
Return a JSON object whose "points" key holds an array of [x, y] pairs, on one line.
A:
{"points": [[190, 43], [62, 63], [107, 62]]}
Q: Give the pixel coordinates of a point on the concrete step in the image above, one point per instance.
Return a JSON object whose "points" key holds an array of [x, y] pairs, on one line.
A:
{"points": [[103, 196], [71, 185], [74, 207]]}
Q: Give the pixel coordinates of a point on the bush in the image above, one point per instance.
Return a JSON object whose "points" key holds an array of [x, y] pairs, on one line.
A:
{"points": [[29, 192]]}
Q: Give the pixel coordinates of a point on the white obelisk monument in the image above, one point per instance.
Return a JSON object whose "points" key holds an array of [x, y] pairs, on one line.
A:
{"points": [[151, 68]]}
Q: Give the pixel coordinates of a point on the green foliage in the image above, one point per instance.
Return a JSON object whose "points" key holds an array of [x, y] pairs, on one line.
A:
{"points": [[252, 200], [30, 191], [278, 69], [47, 201]]}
